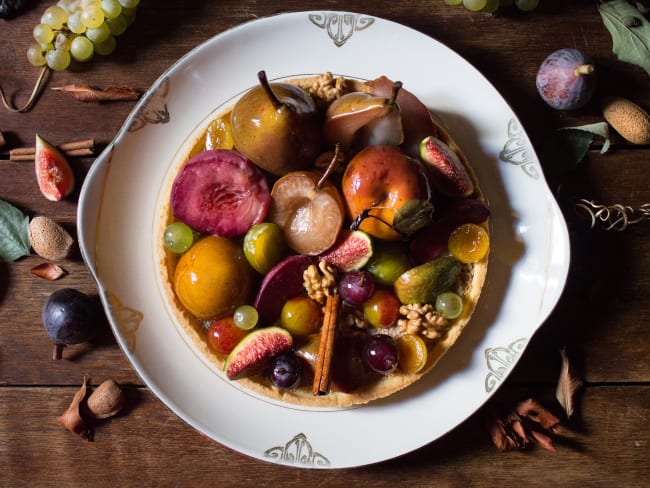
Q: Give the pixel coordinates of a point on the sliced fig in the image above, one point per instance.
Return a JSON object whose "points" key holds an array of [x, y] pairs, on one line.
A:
{"points": [[220, 192], [282, 282], [255, 351], [448, 173], [53, 173], [351, 251], [416, 118]]}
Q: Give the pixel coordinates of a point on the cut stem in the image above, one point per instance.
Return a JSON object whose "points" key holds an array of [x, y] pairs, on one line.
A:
{"points": [[277, 104]]}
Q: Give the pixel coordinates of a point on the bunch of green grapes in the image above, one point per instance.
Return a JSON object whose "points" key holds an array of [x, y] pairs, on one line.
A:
{"points": [[491, 6], [77, 29]]}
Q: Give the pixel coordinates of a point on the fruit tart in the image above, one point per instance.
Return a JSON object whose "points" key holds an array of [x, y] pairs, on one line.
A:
{"points": [[325, 241]]}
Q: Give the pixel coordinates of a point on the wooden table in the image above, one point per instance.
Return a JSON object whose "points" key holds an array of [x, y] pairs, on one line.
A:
{"points": [[601, 318]]}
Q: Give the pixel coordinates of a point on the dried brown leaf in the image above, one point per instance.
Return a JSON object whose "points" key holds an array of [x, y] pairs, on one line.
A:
{"points": [[532, 410], [48, 271], [507, 432], [567, 385], [88, 93], [72, 419]]}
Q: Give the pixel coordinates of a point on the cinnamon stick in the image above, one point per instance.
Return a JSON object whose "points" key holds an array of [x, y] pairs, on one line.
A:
{"points": [[84, 147], [321, 385]]}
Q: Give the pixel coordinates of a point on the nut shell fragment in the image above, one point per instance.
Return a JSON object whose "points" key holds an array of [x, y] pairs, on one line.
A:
{"points": [[628, 119], [48, 239]]}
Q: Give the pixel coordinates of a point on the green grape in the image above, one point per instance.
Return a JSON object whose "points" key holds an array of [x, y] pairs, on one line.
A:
{"points": [[43, 33], [129, 15], [107, 47], [92, 16], [35, 55], [75, 24], [46, 46], [111, 8], [54, 17], [245, 317], [129, 3], [81, 48], [474, 5], [449, 305], [117, 25], [453, 2], [99, 34], [57, 59], [178, 237], [526, 5]]}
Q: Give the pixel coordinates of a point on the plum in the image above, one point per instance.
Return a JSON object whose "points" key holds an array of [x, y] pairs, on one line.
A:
{"points": [[566, 79], [70, 317]]}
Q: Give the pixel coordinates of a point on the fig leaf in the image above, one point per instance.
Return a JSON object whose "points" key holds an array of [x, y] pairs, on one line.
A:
{"points": [[14, 233], [630, 39]]}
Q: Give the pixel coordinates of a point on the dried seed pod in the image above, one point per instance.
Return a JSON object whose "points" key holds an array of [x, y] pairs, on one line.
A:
{"points": [[106, 401], [72, 420], [48, 239]]}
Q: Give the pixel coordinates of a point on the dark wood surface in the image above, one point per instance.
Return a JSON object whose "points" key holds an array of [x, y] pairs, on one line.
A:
{"points": [[601, 318]]}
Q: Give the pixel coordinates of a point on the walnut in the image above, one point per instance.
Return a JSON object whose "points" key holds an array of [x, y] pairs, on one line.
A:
{"points": [[353, 317], [422, 319], [319, 281], [327, 88]]}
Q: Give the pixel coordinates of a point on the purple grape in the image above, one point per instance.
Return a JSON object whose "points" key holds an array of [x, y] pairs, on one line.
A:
{"points": [[70, 317], [381, 353], [286, 371], [356, 287]]}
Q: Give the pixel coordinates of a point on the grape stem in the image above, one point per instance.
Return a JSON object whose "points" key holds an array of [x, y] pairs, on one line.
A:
{"points": [[57, 352], [32, 98]]}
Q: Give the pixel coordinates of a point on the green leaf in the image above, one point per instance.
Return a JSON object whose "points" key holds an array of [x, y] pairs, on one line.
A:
{"points": [[630, 32], [566, 147], [413, 216], [14, 233]]}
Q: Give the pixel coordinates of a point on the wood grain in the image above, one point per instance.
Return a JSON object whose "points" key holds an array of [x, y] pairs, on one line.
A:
{"points": [[601, 317]]}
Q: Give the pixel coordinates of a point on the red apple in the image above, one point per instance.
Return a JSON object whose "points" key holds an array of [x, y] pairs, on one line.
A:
{"points": [[383, 179]]}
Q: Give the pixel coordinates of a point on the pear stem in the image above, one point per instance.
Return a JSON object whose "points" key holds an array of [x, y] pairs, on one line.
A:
{"points": [[277, 104], [330, 167]]}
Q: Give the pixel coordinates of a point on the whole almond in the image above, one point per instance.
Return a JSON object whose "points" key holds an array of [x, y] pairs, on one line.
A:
{"points": [[48, 239], [628, 119], [107, 400]]}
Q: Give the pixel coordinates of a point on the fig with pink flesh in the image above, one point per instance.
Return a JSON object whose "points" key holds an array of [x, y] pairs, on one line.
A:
{"points": [[566, 79], [445, 168], [255, 351], [53, 173], [350, 252], [220, 192]]}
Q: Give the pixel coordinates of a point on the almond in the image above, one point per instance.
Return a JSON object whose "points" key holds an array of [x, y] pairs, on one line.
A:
{"points": [[48, 239], [628, 119]]}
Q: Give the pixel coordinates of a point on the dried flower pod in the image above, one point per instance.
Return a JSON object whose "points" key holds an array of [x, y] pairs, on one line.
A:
{"points": [[106, 401], [48, 239], [48, 271]]}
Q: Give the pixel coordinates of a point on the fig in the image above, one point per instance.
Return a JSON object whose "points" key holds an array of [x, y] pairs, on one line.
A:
{"points": [[70, 317], [220, 192], [423, 283], [282, 282], [566, 79], [53, 173], [445, 168], [255, 351], [350, 252]]}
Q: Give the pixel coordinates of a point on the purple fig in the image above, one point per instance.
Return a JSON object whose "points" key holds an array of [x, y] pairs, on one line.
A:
{"points": [[255, 351], [566, 79]]}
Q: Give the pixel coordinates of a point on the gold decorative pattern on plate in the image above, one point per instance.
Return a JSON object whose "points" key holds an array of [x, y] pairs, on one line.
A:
{"points": [[340, 27], [297, 451], [500, 360], [518, 151], [128, 320], [154, 109]]}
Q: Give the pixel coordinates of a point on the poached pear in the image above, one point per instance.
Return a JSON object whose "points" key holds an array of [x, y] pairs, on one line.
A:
{"points": [[424, 282], [277, 126]]}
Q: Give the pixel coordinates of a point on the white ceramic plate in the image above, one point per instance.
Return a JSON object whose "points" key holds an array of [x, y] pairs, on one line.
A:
{"points": [[120, 203]]}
